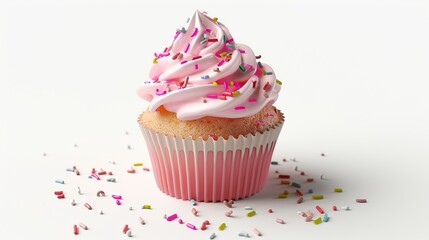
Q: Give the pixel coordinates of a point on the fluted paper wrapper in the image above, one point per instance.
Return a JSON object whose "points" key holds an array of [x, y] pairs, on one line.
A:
{"points": [[209, 170]]}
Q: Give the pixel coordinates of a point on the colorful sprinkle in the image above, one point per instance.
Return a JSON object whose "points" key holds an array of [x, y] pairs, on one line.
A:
{"points": [[187, 47], [242, 68], [235, 93], [252, 100], [196, 57], [194, 32], [239, 108], [279, 220], [191, 226], [300, 200], [338, 190], [317, 197], [257, 232], [183, 62], [269, 73], [214, 83], [260, 65], [196, 66], [325, 217], [212, 40], [220, 63], [172, 217], [266, 86], [285, 182], [317, 220], [204, 76], [251, 213], [155, 60], [279, 82], [138, 164], [222, 227], [241, 51], [258, 57], [186, 82], [320, 210], [361, 200], [297, 185], [214, 96]]}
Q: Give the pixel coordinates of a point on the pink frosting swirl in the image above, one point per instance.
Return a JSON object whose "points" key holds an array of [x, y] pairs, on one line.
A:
{"points": [[206, 73]]}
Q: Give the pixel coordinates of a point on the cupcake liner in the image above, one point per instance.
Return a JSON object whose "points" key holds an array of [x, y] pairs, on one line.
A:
{"points": [[211, 170]]}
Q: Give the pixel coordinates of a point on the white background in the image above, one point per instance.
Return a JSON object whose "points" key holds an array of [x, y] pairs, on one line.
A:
{"points": [[355, 77]]}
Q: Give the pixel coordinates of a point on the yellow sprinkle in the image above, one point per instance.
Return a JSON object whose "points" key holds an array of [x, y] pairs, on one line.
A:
{"points": [[215, 83], [285, 182], [138, 164], [338, 190], [282, 196], [146, 207], [264, 72], [223, 54], [286, 192], [317, 220], [317, 197], [279, 82], [235, 93], [215, 19], [251, 213], [231, 83], [222, 226], [155, 60]]}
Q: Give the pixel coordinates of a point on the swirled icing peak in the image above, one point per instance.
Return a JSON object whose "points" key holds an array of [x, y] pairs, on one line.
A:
{"points": [[204, 72]]}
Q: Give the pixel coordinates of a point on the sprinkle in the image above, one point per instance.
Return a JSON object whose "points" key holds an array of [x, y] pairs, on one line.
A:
{"points": [[248, 66], [228, 94], [258, 57], [228, 213], [284, 176], [212, 236], [194, 32], [204, 76], [59, 181], [83, 226], [285, 182], [266, 86], [88, 206], [196, 57], [58, 193], [235, 93], [279, 82], [260, 65], [334, 208], [231, 83], [203, 41], [186, 82], [257, 232], [242, 68], [155, 60], [191, 226], [193, 202], [230, 40], [125, 229], [338, 190], [239, 108], [196, 66], [180, 56], [214, 83], [270, 210], [264, 72], [146, 206], [187, 47], [194, 211], [347, 208], [204, 100], [172, 217], [254, 84], [297, 185], [298, 192], [252, 100], [215, 19], [361, 200], [216, 70], [248, 208], [317, 220], [220, 63], [116, 196], [310, 191], [222, 97], [228, 204], [118, 202], [212, 40], [244, 234], [251, 213], [224, 38], [269, 73], [308, 216], [259, 122], [229, 45], [141, 221], [183, 62], [138, 164], [319, 209], [223, 54], [317, 197], [279, 220], [207, 30], [300, 200], [188, 20], [286, 192], [222, 226], [282, 196], [274, 163], [325, 217], [241, 51], [214, 96], [101, 194], [146, 169], [75, 230]]}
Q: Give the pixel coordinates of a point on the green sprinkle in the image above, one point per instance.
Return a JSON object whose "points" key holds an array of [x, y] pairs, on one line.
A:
{"points": [[222, 226], [274, 163], [269, 73], [297, 185], [243, 69], [279, 82], [317, 220], [282, 196], [317, 197], [224, 38], [338, 190], [310, 190], [260, 64], [251, 213], [203, 41], [235, 93]]}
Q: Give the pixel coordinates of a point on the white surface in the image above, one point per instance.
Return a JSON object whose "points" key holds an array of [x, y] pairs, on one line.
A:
{"points": [[355, 79]]}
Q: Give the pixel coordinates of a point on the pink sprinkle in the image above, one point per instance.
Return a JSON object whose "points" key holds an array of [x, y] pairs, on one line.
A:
{"points": [[180, 221], [239, 108], [212, 96], [187, 47], [241, 51], [164, 54], [194, 211], [248, 66], [196, 66], [156, 55], [220, 63], [225, 86], [183, 62], [161, 93], [172, 217], [118, 202], [176, 35], [260, 122], [194, 32], [237, 85], [191, 226], [230, 40], [207, 30], [165, 49], [252, 100], [95, 176], [117, 196], [196, 57]]}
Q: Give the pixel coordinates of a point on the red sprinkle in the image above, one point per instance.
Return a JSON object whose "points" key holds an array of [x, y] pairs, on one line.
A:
{"points": [[334, 208], [196, 57], [319, 209], [266, 86], [60, 196], [302, 173], [125, 229], [284, 176], [58, 192], [300, 200], [361, 200], [310, 179], [212, 40], [75, 230], [270, 210], [299, 192], [254, 84]]}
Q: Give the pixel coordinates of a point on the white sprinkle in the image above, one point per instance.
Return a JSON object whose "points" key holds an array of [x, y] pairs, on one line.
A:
{"points": [[212, 236], [248, 208], [244, 234]]}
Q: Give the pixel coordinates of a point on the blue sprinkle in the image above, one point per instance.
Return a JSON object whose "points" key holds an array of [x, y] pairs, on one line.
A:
{"points": [[59, 181], [193, 202], [229, 45], [310, 190], [268, 73], [224, 38], [204, 76], [297, 185], [325, 217]]}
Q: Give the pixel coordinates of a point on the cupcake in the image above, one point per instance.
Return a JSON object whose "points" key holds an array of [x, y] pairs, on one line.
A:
{"points": [[210, 126]]}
